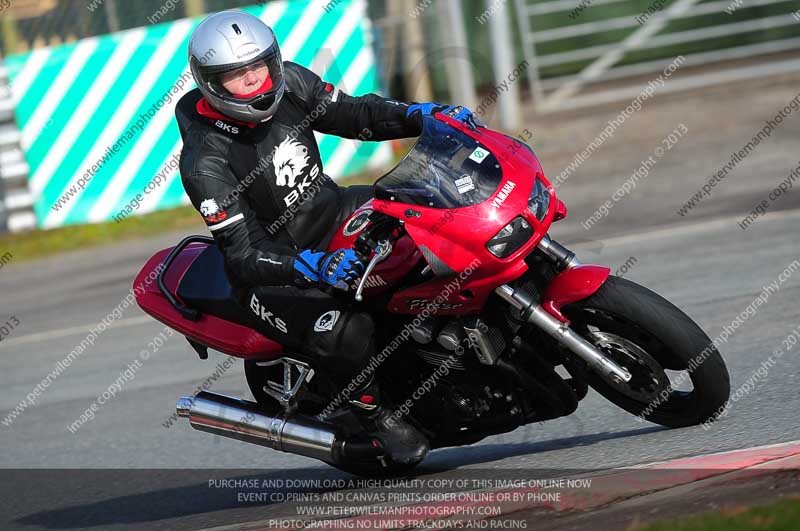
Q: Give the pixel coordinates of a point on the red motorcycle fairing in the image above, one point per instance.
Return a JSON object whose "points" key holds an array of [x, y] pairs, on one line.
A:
{"points": [[405, 254], [225, 336], [453, 241], [561, 210], [473, 272], [572, 285]]}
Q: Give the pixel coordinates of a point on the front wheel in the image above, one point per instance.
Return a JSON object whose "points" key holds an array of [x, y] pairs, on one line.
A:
{"points": [[678, 376]]}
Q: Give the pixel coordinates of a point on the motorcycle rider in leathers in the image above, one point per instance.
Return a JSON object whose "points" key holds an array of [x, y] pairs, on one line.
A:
{"points": [[251, 165]]}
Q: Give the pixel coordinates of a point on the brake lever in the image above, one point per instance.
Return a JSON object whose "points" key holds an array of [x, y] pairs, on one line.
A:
{"points": [[383, 249]]}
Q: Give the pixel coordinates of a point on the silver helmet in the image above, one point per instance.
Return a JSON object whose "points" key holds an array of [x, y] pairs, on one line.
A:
{"points": [[232, 40]]}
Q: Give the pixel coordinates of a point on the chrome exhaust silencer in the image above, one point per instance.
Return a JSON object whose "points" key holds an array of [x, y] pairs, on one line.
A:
{"points": [[243, 420]]}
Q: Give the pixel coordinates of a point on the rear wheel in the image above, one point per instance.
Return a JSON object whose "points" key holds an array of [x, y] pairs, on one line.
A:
{"points": [[678, 376]]}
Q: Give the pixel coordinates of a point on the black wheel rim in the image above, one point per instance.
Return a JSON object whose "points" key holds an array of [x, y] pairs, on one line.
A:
{"points": [[640, 352]]}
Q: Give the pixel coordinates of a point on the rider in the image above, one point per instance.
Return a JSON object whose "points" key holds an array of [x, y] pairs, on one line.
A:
{"points": [[251, 165]]}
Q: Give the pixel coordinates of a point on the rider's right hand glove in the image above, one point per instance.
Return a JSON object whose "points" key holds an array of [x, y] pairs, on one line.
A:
{"points": [[340, 269], [458, 112]]}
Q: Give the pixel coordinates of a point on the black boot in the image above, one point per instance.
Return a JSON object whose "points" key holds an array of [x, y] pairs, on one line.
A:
{"points": [[387, 431]]}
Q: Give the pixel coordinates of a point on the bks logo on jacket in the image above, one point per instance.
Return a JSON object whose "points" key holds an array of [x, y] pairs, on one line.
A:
{"points": [[211, 211], [289, 160], [267, 316], [226, 127]]}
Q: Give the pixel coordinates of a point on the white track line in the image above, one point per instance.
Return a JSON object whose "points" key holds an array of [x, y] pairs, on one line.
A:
{"points": [[73, 331], [700, 226], [724, 452]]}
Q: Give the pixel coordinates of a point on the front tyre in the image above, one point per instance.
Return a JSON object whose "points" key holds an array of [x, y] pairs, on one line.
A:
{"points": [[678, 376]]}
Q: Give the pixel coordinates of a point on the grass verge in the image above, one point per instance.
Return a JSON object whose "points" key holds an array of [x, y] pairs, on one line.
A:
{"points": [[783, 515], [34, 244]]}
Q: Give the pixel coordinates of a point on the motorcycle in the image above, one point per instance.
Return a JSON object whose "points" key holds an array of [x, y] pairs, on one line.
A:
{"points": [[484, 322]]}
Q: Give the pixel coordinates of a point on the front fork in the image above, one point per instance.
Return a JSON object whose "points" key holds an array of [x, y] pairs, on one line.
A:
{"points": [[575, 282]]}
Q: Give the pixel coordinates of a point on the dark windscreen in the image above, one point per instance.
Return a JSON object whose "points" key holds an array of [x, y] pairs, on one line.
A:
{"points": [[445, 169]]}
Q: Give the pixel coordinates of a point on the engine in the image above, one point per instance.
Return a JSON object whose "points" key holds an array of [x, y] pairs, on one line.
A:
{"points": [[464, 392]]}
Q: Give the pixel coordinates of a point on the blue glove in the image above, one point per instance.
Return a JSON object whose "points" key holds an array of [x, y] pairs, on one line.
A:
{"points": [[454, 111], [340, 269]]}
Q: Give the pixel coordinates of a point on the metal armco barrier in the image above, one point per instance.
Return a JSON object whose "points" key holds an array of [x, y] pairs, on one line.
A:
{"points": [[16, 203], [591, 52]]}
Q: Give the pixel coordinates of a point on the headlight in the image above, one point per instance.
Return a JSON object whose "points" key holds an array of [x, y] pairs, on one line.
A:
{"points": [[510, 238], [539, 201]]}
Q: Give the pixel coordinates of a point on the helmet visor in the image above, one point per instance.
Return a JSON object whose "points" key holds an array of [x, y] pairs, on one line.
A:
{"points": [[256, 82]]}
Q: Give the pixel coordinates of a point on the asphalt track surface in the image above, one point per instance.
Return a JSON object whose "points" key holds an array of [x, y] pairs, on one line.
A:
{"points": [[703, 262]]}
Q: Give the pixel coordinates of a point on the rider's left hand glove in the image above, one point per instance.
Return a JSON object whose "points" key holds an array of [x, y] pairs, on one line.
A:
{"points": [[454, 111], [340, 269]]}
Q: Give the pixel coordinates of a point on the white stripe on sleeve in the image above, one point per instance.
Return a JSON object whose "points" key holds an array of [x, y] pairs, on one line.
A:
{"points": [[234, 219]]}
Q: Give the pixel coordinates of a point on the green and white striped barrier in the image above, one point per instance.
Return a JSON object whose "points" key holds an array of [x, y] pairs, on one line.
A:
{"points": [[97, 116]]}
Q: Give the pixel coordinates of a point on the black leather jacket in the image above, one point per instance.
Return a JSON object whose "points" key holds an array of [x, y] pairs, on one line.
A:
{"points": [[261, 188]]}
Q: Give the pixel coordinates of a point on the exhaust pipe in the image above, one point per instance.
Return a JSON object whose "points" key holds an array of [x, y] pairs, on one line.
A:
{"points": [[244, 421]]}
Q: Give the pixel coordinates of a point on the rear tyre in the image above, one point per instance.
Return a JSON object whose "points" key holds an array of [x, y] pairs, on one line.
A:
{"points": [[649, 336]]}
